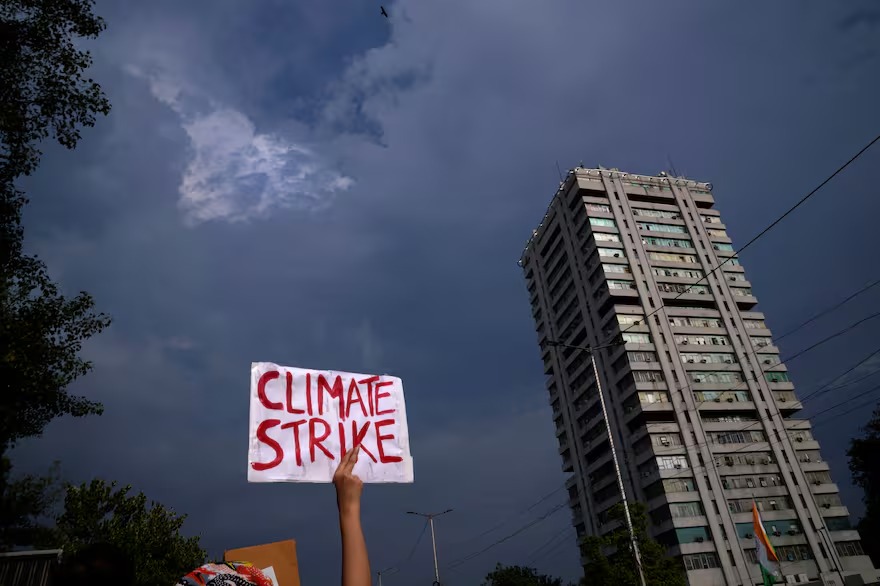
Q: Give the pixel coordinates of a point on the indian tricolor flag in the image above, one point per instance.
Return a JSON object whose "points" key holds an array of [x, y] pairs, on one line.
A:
{"points": [[767, 558]]}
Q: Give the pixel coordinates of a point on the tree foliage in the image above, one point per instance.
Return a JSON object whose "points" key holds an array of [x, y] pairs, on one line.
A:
{"points": [[26, 504], [619, 568], [519, 576], [864, 463], [148, 533], [44, 90]]}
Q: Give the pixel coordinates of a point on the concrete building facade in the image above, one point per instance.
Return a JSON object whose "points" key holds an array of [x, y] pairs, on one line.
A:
{"points": [[702, 411]]}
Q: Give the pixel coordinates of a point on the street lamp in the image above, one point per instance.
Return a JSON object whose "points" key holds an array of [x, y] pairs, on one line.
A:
{"points": [[387, 572], [632, 535], [430, 517]]}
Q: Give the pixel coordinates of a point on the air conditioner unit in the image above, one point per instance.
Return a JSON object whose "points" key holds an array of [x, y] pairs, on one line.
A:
{"points": [[730, 399], [703, 361], [678, 466], [799, 439], [728, 361], [777, 533], [699, 539], [616, 255], [751, 460], [827, 505], [767, 361], [690, 360], [783, 400], [792, 532], [766, 461], [817, 482], [717, 399], [749, 536]]}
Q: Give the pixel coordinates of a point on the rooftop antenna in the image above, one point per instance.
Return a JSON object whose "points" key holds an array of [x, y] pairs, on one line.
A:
{"points": [[671, 166], [558, 170]]}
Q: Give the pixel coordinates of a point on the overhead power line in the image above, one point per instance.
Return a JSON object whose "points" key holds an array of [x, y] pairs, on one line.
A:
{"points": [[525, 527], [772, 224], [828, 310]]}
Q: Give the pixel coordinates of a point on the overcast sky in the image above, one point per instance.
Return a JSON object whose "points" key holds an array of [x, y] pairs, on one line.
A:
{"points": [[312, 184]]}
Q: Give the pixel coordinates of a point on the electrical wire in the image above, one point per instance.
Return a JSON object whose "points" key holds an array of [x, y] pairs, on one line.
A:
{"points": [[828, 310], [772, 224], [551, 544], [415, 545], [506, 521], [525, 527]]}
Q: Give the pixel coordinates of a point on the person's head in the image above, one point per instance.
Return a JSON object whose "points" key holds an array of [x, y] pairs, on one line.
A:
{"points": [[99, 564]]}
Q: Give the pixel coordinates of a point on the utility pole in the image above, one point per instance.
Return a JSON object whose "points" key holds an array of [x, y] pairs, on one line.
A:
{"points": [[620, 485], [430, 517]]}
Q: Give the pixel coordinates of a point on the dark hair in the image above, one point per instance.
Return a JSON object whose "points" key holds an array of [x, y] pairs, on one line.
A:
{"points": [[99, 564]]}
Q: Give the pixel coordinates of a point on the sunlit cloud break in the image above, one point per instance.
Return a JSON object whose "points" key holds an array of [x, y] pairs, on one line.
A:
{"points": [[235, 173]]}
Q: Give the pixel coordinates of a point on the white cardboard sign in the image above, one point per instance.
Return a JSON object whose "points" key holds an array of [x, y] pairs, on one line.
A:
{"points": [[302, 421]]}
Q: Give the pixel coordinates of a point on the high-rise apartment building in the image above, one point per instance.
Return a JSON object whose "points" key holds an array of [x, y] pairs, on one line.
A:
{"points": [[701, 409]]}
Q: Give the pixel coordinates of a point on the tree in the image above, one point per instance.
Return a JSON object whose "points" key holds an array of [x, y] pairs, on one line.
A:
{"points": [[43, 92], [43, 88], [864, 463], [25, 505], [619, 569], [518, 576], [149, 534]]}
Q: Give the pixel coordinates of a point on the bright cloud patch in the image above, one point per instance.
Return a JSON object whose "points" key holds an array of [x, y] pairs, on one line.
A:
{"points": [[236, 173]]}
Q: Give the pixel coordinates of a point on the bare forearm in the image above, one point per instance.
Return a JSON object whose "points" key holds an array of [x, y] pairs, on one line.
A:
{"points": [[355, 563]]}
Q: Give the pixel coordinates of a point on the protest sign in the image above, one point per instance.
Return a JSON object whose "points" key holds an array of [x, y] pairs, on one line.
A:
{"points": [[277, 561], [303, 421]]}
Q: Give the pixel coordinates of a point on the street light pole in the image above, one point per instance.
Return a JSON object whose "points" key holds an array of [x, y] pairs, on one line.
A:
{"points": [[387, 571], [620, 485], [430, 517]]}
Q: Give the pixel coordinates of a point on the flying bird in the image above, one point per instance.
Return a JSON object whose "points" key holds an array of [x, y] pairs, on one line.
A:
{"points": [[385, 14]]}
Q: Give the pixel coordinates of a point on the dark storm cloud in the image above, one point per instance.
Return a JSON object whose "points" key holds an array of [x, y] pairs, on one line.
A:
{"points": [[411, 270]]}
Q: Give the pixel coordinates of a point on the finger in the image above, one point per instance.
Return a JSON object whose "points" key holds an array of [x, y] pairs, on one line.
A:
{"points": [[343, 463], [352, 459]]}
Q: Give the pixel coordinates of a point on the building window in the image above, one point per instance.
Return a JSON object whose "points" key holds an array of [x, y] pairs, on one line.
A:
{"points": [[648, 376], [700, 561], [736, 437], [692, 534], [671, 462], [662, 228], [666, 257], [849, 548], [609, 268], [722, 396], [742, 291], [777, 377], [679, 273], [711, 219], [695, 322], [606, 237], [602, 222], [612, 252], [656, 213], [686, 510], [598, 207], [628, 320], [717, 233], [649, 398], [681, 288], [709, 376], [685, 340], [636, 338], [642, 356], [722, 246], [671, 242], [708, 358], [755, 324], [621, 284], [761, 341]]}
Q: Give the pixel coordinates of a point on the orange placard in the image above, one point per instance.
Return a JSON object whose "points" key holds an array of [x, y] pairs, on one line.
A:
{"points": [[280, 556]]}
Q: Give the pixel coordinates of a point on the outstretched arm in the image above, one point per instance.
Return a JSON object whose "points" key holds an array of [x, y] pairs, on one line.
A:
{"points": [[355, 563]]}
